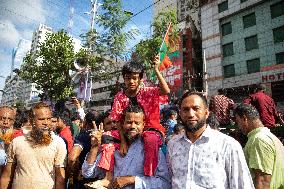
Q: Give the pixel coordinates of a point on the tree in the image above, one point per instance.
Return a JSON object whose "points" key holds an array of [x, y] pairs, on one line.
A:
{"points": [[110, 39], [146, 49], [49, 66]]}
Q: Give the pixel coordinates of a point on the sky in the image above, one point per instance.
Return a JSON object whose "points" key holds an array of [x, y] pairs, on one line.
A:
{"points": [[20, 18]]}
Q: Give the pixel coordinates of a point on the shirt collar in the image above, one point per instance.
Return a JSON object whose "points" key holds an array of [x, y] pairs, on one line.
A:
{"points": [[257, 130], [204, 136]]}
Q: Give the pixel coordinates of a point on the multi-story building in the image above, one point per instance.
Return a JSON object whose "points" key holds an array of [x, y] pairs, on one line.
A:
{"points": [[163, 5], [103, 91], [244, 45], [39, 36], [16, 90]]}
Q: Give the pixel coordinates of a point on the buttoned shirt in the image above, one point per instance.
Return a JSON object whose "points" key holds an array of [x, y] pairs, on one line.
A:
{"points": [[133, 165], [265, 152], [266, 107], [215, 160]]}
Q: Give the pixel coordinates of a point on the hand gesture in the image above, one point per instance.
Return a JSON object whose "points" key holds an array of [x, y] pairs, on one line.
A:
{"points": [[121, 182], [96, 135], [156, 62], [76, 102]]}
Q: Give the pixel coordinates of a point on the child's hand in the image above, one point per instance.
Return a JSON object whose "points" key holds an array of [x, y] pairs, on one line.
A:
{"points": [[156, 62], [123, 148]]}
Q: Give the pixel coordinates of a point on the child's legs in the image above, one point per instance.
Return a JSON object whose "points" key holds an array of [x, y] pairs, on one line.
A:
{"points": [[152, 142], [107, 158]]}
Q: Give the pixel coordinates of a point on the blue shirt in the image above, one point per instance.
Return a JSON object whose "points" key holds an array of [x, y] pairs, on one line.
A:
{"points": [[133, 165]]}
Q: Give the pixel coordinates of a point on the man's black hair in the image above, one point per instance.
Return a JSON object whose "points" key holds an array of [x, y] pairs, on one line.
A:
{"points": [[89, 118], [246, 110], [75, 116], [222, 91], [190, 93], [260, 87], [134, 109], [133, 67], [102, 116], [177, 128], [22, 116], [213, 121]]}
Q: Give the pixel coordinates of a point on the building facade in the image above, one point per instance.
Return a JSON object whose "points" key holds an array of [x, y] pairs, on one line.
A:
{"points": [[163, 5], [16, 90], [39, 36], [244, 45]]}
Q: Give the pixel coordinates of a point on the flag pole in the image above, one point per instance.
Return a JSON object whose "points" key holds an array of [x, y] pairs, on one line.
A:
{"points": [[165, 37]]}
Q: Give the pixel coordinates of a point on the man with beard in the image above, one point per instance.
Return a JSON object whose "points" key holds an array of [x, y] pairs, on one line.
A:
{"points": [[129, 170], [7, 119], [38, 159], [203, 157]]}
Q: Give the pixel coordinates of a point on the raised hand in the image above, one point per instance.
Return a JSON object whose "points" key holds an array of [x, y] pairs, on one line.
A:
{"points": [[96, 134], [156, 62]]}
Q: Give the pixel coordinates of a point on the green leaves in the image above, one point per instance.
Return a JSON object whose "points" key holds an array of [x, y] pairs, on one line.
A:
{"points": [[145, 50], [112, 39], [49, 66]]}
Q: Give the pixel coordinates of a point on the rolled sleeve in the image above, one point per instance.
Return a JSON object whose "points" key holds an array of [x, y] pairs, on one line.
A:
{"points": [[92, 170]]}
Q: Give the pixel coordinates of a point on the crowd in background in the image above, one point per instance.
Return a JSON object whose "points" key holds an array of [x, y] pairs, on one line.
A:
{"points": [[138, 145]]}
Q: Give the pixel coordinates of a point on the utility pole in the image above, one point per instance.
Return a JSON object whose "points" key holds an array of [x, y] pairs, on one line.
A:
{"points": [[95, 6], [70, 19]]}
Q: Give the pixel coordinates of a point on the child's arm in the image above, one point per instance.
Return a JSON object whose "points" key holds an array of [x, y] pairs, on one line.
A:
{"points": [[164, 88]]}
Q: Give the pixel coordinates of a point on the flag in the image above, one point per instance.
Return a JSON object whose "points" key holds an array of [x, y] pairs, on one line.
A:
{"points": [[169, 49]]}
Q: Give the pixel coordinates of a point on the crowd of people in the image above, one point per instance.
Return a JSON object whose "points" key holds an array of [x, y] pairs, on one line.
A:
{"points": [[130, 146]]}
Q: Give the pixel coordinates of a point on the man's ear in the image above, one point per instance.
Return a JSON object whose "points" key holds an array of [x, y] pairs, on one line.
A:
{"points": [[207, 112]]}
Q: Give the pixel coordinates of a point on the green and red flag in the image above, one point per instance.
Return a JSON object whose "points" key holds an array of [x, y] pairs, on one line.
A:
{"points": [[169, 49]]}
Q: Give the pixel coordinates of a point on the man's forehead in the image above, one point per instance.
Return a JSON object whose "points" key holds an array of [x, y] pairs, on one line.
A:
{"points": [[193, 100], [42, 111], [134, 115], [133, 74], [5, 110]]}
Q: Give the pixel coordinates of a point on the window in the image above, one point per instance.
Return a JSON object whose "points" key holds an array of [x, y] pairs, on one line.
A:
{"points": [[251, 43], [243, 1], [223, 6], [280, 58], [228, 49], [277, 9], [253, 66], [278, 34], [249, 20], [229, 71], [226, 28]]}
